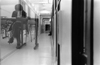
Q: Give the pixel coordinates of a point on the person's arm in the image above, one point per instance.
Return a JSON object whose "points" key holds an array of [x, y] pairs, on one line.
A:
{"points": [[14, 14], [24, 14]]}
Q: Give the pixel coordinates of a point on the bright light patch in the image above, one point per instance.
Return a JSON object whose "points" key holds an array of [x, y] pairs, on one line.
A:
{"points": [[45, 11]]}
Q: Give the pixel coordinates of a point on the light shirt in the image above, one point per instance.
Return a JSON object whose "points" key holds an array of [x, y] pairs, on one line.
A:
{"points": [[19, 14]]}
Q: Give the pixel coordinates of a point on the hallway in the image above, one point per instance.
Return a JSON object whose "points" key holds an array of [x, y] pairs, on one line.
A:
{"points": [[28, 56]]}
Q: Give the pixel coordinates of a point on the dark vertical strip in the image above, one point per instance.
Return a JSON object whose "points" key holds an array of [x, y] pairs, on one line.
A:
{"points": [[58, 54], [36, 31], [91, 32], [77, 31], [55, 4]]}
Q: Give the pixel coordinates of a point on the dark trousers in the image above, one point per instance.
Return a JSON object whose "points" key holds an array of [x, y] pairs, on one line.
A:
{"points": [[19, 38], [16, 30]]}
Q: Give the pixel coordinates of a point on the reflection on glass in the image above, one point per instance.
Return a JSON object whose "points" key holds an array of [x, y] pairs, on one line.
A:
{"points": [[8, 26], [6, 49], [9, 54]]}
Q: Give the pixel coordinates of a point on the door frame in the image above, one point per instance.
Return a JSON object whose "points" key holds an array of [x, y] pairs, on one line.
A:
{"points": [[78, 31]]}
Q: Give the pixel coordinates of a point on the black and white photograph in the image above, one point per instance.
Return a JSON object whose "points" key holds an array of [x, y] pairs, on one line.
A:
{"points": [[49, 32]]}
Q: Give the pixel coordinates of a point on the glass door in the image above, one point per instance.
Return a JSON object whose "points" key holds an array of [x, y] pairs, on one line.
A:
{"points": [[55, 30]]}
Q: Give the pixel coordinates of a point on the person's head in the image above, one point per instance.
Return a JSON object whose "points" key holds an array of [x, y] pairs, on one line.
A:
{"points": [[18, 7]]}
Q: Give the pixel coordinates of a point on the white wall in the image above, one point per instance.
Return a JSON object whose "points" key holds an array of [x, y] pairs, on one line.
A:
{"points": [[7, 7], [32, 14], [96, 32], [6, 10], [9, 2], [65, 31]]}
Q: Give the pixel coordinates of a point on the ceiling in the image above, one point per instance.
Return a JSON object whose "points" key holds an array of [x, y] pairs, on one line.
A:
{"points": [[8, 2], [41, 6]]}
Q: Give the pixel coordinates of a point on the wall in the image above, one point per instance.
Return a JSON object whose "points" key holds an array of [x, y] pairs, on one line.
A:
{"points": [[7, 7], [32, 14], [96, 32], [9, 2], [65, 31], [6, 10]]}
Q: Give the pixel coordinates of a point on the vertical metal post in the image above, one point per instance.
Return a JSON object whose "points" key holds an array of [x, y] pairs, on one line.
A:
{"points": [[36, 31]]}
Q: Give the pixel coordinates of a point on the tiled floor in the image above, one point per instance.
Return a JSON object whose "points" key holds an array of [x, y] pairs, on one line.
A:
{"points": [[28, 56], [6, 48]]}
